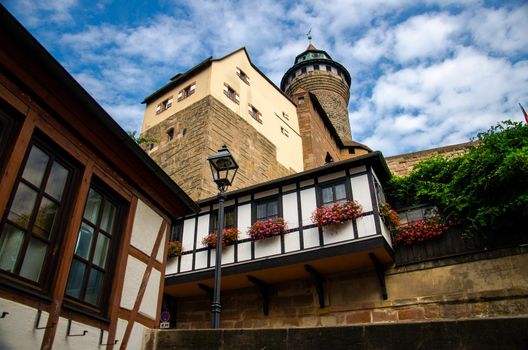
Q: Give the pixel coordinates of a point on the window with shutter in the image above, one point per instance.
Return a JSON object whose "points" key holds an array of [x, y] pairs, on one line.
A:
{"points": [[186, 92], [243, 76], [255, 113], [231, 93]]}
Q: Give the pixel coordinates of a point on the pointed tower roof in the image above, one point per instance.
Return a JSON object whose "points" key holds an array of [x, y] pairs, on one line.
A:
{"points": [[311, 48]]}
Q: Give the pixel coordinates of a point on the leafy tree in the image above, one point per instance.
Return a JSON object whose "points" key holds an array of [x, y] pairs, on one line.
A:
{"points": [[484, 191], [141, 139]]}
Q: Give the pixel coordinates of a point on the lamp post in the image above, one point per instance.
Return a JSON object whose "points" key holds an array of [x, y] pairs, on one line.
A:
{"points": [[224, 168]]}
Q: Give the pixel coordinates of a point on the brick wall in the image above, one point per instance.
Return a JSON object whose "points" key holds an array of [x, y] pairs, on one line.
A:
{"points": [[402, 164], [333, 94], [199, 131], [491, 286]]}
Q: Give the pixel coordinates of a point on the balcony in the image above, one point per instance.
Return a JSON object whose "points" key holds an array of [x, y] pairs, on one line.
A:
{"points": [[357, 244]]}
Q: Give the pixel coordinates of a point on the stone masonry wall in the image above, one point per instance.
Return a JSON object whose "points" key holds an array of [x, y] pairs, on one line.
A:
{"points": [[493, 285], [403, 164], [199, 131], [333, 94]]}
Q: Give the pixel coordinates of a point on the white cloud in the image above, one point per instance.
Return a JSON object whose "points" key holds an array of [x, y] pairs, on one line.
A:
{"points": [[44, 11]]}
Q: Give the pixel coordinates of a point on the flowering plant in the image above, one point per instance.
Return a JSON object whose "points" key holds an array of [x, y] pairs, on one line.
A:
{"points": [[337, 213], [174, 249], [267, 228], [390, 217], [420, 230], [229, 236]]}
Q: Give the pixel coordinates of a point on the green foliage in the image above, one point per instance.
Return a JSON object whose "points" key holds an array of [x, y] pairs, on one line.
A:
{"points": [[141, 139], [484, 191]]}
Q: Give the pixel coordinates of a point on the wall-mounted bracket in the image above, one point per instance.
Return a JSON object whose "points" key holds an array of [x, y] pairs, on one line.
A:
{"points": [[380, 271], [263, 292], [74, 335], [101, 340], [208, 290], [4, 314], [318, 281], [37, 323]]}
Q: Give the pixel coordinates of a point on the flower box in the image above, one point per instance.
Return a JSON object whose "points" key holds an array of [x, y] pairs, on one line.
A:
{"points": [[174, 249], [337, 213], [229, 237], [268, 228]]}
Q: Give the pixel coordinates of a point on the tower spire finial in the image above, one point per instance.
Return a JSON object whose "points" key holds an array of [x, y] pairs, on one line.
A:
{"points": [[309, 35]]}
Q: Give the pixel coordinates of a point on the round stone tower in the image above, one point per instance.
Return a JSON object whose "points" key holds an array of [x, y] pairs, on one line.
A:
{"points": [[316, 72]]}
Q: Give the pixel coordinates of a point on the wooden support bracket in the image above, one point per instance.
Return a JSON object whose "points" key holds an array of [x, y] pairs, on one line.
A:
{"points": [[318, 281], [263, 292], [208, 290], [380, 271]]}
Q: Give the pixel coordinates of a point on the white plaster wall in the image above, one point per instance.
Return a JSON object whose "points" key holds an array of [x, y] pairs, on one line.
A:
{"points": [[361, 191], [289, 187], [332, 176], [203, 230], [149, 303], [244, 220], [311, 238], [244, 199], [244, 251], [366, 226], [291, 242], [228, 255], [17, 330], [146, 227], [135, 269], [266, 193], [89, 341], [135, 342], [201, 260], [289, 209], [308, 203], [188, 234], [386, 233], [186, 262], [306, 183], [267, 247], [172, 266], [358, 169], [162, 248], [338, 233]]}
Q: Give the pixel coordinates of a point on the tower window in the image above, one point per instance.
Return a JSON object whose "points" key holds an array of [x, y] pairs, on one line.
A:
{"points": [[255, 113], [328, 68], [303, 70], [300, 100], [164, 105], [231, 93], [170, 134], [284, 132], [243, 76], [316, 67], [285, 116], [186, 92]]}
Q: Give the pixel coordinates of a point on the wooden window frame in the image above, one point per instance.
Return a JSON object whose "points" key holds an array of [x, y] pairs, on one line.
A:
{"points": [[186, 91], [122, 207], [254, 113], [213, 219], [284, 131], [266, 201], [164, 105], [242, 75], [231, 94], [42, 288], [333, 184]]}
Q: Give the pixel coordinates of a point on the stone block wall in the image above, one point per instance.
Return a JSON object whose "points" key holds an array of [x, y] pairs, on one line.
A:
{"points": [[479, 286], [332, 92], [199, 131], [402, 164]]}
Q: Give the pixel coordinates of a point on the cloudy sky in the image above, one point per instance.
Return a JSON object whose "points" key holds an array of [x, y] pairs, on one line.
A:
{"points": [[424, 74]]}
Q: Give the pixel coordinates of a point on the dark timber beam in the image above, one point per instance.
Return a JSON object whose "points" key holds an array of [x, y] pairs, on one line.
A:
{"points": [[263, 292], [318, 281], [380, 271]]}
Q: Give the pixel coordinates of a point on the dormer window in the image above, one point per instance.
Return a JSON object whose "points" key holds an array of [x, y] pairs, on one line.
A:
{"points": [[231, 93], [186, 92], [164, 105], [255, 113], [243, 76]]}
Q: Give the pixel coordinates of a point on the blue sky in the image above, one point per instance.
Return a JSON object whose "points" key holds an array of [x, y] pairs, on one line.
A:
{"points": [[424, 74]]}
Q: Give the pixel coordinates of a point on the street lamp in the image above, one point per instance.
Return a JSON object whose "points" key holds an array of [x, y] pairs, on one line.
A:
{"points": [[224, 168]]}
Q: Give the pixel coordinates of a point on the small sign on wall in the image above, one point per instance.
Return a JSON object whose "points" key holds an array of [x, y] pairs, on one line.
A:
{"points": [[165, 317], [164, 325]]}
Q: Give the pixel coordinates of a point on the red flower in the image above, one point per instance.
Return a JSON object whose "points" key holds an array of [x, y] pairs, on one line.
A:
{"points": [[229, 237], [337, 213], [268, 228]]}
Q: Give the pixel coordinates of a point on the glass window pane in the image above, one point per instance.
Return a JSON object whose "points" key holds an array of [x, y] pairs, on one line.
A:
{"points": [[109, 215], [10, 242], [92, 206], [34, 259], [23, 205], [327, 195], [273, 209], [57, 181], [261, 211], [101, 250], [45, 218], [35, 166], [230, 218], [93, 289], [84, 241], [75, 280], [340, 192]]}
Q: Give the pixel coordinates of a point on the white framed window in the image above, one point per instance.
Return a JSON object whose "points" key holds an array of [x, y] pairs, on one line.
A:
{"points": [[231, 93], [164, 105], [284, 131], [186, 91], [243, 76], [285, 116], [255, 113]]}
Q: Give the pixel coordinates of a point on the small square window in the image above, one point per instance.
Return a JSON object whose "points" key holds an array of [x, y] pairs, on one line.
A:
{"points": [[255, 113], [316, 67], [328, 68], [300, 100], [267, 209], [331, 193], [229, 219], [186, 92], [285, 116], [303, 70], [284, 132], [164, 105], [231, 93], [243, 76]]}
